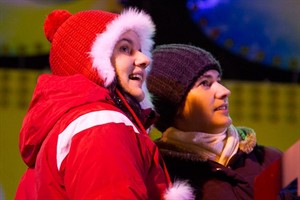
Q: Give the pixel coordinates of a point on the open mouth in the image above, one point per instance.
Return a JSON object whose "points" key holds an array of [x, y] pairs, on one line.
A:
{"points": [[221, 108], [136, 77]]}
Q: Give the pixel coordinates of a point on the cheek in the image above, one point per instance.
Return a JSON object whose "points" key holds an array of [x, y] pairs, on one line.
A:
{"points": [[198, 110], [202, 106], [193, 106], [196, 116], [121, 62], [118, 64], [197, 104], [122, 70]]}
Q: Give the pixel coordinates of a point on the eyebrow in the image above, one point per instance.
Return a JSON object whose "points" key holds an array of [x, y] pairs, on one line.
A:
{"points": [[206, 76], [126, 40], [209, 76]]}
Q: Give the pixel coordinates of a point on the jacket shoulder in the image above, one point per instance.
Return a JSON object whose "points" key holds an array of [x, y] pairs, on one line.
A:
{"points": [[267, 154]]}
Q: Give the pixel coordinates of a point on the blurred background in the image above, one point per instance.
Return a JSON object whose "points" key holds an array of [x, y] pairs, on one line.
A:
{"points": [[257, 43]]}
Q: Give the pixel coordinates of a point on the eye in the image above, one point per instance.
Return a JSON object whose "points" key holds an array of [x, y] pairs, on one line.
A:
{"points": [[205, 83], [125, 49]]}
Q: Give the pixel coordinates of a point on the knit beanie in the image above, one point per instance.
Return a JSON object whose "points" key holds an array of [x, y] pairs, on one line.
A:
{"points": [[83, 43], [175, 69]]}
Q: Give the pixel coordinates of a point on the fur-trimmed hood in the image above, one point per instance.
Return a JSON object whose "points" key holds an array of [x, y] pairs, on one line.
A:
{"points": [[83, 43]]}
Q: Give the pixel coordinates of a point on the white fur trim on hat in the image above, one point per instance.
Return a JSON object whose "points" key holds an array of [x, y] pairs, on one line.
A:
{"points": [[180, 190], [101, 52]]}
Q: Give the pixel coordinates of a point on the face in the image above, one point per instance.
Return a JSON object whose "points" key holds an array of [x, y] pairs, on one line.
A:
{"points": [[130, 64], [206, 106]]}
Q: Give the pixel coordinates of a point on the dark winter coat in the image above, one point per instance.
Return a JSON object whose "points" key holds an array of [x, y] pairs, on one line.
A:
{"points": [[212, 180]]}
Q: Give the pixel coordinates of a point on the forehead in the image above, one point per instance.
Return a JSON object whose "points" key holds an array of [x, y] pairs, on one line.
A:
{"points": [[131, 36], [211, 73]]}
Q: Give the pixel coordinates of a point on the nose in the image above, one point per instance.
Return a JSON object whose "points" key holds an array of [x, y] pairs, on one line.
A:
{"points": [[141, 60], [222, 92]]}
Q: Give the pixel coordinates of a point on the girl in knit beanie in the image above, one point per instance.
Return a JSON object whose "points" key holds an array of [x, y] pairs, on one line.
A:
{"points": [[84, 136], [199, 142]]}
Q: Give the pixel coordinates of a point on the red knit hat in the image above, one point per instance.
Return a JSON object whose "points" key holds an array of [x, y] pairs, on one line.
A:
{"points": [[83, 43]]}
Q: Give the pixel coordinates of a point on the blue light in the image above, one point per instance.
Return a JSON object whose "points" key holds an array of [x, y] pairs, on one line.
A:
{"points": [[261, 31]]}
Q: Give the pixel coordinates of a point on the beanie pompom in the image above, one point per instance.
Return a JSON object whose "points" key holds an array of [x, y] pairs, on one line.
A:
{"points": [[54, 20]]}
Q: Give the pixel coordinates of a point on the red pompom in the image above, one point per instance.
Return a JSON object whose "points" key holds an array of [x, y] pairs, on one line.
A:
{"points": [[54, 20]]}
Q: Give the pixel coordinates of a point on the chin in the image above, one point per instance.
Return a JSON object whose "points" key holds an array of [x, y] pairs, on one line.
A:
{"points": [[225, 123], [139, 96], [228, 122]]}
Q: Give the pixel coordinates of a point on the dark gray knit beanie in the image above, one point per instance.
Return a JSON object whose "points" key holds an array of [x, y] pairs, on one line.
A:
{"points": [[175, 69]]}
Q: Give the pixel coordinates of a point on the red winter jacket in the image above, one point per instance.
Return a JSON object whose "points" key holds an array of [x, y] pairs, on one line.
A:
{"points": [[78, 145]]}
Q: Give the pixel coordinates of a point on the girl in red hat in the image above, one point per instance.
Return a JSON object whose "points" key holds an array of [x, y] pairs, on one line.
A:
{"points": [[84, 136]]}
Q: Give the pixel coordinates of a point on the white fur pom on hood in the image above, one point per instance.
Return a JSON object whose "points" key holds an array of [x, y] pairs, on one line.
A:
{"points": [[180, 190]]}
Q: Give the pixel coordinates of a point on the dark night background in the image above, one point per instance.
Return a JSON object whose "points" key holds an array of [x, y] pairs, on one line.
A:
{"points": [[174, 25]]}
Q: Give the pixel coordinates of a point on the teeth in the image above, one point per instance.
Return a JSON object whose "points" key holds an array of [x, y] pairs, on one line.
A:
{"points": [[135, 77], [222, 108]]}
